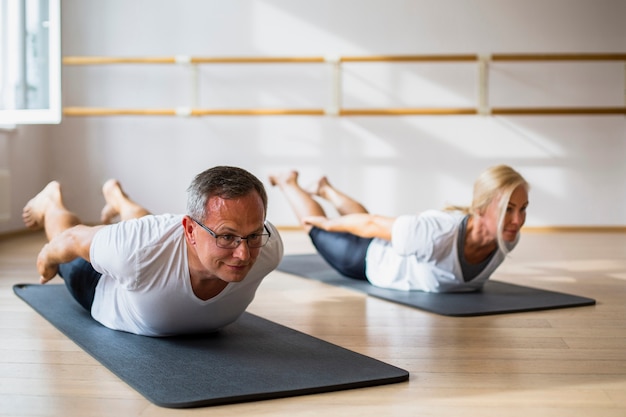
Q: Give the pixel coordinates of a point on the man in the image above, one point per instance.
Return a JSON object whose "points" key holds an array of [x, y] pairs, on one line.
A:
{"points": [[161, 275]]}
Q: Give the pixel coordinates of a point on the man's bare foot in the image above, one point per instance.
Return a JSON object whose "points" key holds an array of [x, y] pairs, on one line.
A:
{"points": [[290, 177], [118, 204], [34, 211], [108, 214], [112, 191]]}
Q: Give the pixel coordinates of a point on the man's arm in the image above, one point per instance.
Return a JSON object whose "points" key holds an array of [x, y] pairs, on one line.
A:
{"points": [[72, 243], [361, 224]]}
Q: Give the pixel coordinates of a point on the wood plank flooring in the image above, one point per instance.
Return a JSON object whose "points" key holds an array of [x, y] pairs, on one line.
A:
{"points": [[566, 363]]}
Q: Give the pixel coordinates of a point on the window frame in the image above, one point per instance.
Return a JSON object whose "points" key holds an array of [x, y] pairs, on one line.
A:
{"points": [[53, 113]]}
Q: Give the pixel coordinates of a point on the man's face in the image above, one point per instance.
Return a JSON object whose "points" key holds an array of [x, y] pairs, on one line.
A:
{"points": [[240, 217]]}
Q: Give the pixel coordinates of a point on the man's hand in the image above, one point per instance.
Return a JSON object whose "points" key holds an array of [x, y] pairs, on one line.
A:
{"points": [[47, 270], [68, 245]]}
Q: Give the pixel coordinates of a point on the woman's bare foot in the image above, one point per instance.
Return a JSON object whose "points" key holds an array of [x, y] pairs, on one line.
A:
{"points": [[343, 203], [112, 191], [319, 188], [33, 213], [290, 177], [302, 203]]}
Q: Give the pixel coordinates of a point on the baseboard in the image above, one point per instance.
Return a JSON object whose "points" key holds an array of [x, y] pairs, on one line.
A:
{"points": [[19, 233]]}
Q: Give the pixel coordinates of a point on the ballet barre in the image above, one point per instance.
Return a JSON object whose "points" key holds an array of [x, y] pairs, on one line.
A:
{"points": [[335, 108]]}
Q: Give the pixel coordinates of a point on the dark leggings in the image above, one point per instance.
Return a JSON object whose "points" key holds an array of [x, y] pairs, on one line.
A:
{"points": [[81, 280], [343, 251]]}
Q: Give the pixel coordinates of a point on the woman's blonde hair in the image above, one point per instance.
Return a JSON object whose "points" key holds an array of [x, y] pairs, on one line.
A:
{"points": [[497, 182]]}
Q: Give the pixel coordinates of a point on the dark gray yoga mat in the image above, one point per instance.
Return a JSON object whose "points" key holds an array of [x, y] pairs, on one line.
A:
{"points": [[495, 297], [249, 360]]}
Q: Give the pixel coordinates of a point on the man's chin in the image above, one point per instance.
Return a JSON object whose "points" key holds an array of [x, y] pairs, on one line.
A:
{"points": [[234, 277]]}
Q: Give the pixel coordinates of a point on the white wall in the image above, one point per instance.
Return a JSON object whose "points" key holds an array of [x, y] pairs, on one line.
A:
{"points": [[576, 165], [23, 157]]}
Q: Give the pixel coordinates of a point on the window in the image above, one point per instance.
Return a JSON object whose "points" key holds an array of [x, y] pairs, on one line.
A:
{"points": [[30, 62]]}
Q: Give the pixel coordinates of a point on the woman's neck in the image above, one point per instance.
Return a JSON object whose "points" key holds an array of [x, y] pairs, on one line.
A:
{"points": [[478, 245]]}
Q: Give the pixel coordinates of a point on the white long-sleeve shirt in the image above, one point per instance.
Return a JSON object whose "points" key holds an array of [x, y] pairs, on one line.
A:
{"points": [[423, 255]]}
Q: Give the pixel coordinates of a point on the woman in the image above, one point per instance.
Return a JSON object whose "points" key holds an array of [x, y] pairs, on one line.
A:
{"points": [[451, 250]]}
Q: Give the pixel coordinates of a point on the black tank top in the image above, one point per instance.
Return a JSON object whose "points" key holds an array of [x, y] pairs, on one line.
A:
{"points": [[470, 271]]}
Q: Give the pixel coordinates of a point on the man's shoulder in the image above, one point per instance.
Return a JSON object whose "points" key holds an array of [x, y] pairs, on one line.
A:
{"points": [[145, 228], [275, 245], [154, 222], [271, 254]]}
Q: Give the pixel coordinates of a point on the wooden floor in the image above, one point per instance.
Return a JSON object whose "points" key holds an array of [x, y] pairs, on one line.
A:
{"points": [[568, 362]]}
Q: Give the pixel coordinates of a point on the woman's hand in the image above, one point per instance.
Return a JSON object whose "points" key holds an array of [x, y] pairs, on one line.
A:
{"points": [[360, 224], [320, 222]]}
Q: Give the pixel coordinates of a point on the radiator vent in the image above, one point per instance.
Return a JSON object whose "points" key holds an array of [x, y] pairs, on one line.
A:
{"points": [[5, 195]]}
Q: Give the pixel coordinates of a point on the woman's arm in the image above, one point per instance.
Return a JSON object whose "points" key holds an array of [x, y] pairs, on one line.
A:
{"points": [[361, 224], [72, 243]]}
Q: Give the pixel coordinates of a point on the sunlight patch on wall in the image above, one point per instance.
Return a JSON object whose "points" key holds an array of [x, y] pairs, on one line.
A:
{"points": [[485, 137], [283, 23], [549, 187], [378, 187], [370, 145], [300, 140], [380, 85], [543, 144], [453, 191]]}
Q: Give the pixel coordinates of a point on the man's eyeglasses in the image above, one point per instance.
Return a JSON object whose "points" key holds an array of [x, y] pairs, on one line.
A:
{"points": [[255, 240]]}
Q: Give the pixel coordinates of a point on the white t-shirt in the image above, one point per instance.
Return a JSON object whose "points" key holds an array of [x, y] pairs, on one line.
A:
{"points": [[145, 286], [423, 255]]}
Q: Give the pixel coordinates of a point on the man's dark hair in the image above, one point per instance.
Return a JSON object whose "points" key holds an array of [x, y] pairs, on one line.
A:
{"points": [[221, 181]]}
